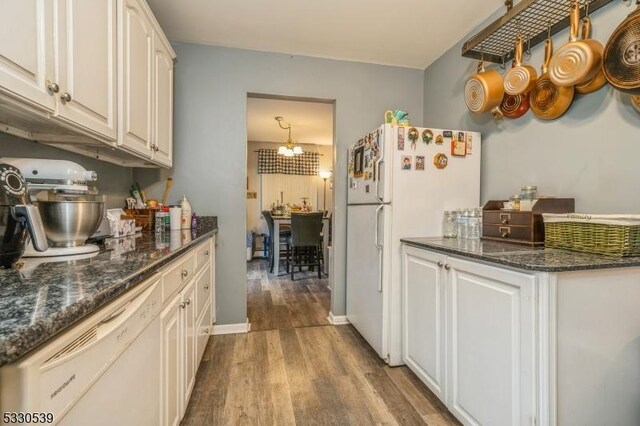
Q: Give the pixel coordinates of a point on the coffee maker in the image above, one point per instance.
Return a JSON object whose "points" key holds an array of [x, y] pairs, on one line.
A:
{"points": [[17, 217]]}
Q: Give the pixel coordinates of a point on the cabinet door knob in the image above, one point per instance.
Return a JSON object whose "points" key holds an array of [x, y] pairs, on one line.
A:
{"points": [[205, 331], [155, 148], [440, 264], [206, 252], [53, 88], [183, 305], [206, 287], [188, 302], [65, 97], [447, 267], [185, 272]]}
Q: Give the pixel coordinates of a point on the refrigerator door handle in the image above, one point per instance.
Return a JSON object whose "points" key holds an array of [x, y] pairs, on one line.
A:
{"points": [[378, 163], [377, 171], [379, 246]]}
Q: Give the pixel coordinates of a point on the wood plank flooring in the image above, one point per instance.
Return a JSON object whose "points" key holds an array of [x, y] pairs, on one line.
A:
{"points": [[321, 375], [279, 303], [295, 369]]}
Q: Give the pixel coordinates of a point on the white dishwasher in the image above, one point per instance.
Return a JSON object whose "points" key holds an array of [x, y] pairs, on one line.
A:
{"points": [[104, 371]]}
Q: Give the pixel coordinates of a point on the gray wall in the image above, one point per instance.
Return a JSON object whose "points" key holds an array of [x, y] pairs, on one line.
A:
{"points": [[591, 153], [113, 181], [211, 87]]}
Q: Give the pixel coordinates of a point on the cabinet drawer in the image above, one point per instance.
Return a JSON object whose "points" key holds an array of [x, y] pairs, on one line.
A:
{"points": [[203, 328], [507, 218], [177, 275], [203, 255], [203, 290], [505, 232]]}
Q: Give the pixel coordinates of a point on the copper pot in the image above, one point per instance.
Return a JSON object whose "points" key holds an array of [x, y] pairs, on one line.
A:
{"points": [[484, 90], [599, 81], [578, 61], [622, 55], [549, 101], [520, 78], [512, 106]]}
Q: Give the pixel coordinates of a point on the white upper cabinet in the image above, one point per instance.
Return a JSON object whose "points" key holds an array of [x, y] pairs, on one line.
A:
{"points": [[136, 91], [26, 52], [163, 106], [87, 65]]}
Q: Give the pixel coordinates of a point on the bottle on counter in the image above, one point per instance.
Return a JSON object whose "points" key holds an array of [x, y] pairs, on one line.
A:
{"points": [[473, 225], [449, 225], [194, 221], [185, 222], [175, 213]]}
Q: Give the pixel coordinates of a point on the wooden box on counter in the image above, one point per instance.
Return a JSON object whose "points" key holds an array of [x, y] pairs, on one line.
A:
{"points": [[522, 227]]}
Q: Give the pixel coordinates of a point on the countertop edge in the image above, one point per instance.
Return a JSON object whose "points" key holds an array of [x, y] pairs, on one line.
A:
{"points": [[515, 265], [81, 310]]}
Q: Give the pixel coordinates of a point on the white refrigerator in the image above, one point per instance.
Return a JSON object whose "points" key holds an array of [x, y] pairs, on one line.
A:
{"points": [[400, 181]]}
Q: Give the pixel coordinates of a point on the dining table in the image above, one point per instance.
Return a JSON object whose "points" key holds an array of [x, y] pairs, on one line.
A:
{"points": [[279, 220]]}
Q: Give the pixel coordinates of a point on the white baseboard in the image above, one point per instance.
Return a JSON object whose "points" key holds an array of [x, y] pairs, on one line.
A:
{"points": [[238, 328], [337, 319]]}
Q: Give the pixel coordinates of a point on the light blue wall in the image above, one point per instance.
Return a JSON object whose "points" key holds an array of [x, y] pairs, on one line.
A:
{"points": [[113, 181], [591, 153], [211, 87]]}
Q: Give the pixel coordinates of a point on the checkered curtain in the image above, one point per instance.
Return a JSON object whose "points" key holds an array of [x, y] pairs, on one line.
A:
{"points": [[269, 162]]}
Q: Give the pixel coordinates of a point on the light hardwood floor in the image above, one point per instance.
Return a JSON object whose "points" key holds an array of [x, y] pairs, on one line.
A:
{"points": [[277, 302], [294, 370]]}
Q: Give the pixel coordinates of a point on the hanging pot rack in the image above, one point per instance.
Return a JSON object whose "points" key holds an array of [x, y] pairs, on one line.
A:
{"points": [[532, 19]]}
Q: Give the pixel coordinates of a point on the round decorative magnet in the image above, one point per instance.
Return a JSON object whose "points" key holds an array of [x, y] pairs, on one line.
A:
{"points": [[439, 140], [413, 136], [427, 136], [440, 161]]}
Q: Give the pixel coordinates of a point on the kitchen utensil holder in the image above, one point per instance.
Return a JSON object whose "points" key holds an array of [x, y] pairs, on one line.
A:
{"points": [[533, 19]]}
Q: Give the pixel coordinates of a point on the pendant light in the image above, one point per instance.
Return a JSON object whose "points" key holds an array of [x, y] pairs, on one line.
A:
{"points": [[288, 149]]}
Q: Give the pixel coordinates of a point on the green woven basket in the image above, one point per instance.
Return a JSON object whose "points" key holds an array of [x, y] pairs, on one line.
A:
{"points": [[587, 233]]}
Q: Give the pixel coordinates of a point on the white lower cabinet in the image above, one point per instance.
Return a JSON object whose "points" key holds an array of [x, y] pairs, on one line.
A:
{"points": [[469, 334], [185, 322], [170, 359]]}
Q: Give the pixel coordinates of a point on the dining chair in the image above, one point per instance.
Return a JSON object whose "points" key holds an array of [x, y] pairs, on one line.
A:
{"points": [[305, 247], [282, 239]]}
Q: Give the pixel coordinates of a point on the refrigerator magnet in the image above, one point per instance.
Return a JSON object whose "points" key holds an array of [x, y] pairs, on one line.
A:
{"points": [[358, 162], [448, 134], [400, 138], [469, 143], [427, 136], [461, 137], [419, 163], [440, 161], [413, 135], [406, 162], [439, 140], [458, 148]]}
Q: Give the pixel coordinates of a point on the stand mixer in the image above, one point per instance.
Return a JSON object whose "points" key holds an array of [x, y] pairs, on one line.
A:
{"points": [[68, 202]]}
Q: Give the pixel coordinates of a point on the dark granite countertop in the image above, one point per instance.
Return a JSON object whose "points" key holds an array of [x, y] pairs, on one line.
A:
{"points": [[522, 257], [40, 298]]}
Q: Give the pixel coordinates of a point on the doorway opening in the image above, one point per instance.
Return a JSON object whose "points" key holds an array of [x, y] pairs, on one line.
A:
{"points": [[290, 199]]}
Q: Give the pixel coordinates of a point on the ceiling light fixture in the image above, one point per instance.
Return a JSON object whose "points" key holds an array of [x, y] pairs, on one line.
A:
{"points": [[288, 149]]}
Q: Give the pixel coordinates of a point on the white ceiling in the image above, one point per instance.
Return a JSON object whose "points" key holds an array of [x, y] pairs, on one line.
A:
{"points": [[407, 33], [311, 122]]}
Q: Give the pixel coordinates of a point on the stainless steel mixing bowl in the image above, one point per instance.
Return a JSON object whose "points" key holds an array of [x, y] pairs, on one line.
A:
{"points": [[70, 223]]}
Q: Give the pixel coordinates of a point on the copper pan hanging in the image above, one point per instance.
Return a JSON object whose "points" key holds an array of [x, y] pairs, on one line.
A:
{"points": [[483, 90], [578, 61], [549, 101], [520, 78], [621, 60], [599, 80]]}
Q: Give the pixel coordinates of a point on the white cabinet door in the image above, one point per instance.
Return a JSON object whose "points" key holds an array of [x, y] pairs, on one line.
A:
{"points": [[171, 359], [163, 104], [136, 62], [491, 344], [424, 338], [188, 342], [26, 51], [87, 64]]}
